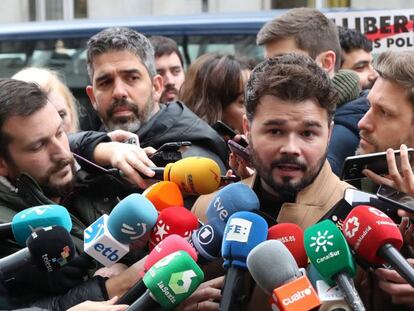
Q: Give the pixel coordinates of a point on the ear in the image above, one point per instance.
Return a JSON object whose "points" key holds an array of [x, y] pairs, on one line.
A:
{"points": [[4, 168], [91, 95], [157, 87], [326, 60], [246, 127], [330, 129]]}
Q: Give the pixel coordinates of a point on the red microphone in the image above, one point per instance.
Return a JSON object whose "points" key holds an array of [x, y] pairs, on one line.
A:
{"points": [[169, 245], [291, 235], [377, 239], [173, 220]]}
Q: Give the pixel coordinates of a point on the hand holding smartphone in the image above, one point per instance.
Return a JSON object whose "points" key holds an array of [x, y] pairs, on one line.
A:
{"points": [[376, 162], [237, 149]]}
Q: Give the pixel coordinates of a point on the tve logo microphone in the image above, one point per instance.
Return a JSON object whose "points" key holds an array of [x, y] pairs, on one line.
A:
{"points": [[101, 245]]}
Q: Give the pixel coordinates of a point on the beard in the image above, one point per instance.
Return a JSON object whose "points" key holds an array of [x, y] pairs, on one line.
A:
{"points": [[373, 142], [130, 123], [287, 188], [52, 190], [167, 89]]}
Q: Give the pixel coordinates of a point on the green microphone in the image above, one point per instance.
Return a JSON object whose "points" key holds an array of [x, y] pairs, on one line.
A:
{"points": [[169, 281], [330, 254]]}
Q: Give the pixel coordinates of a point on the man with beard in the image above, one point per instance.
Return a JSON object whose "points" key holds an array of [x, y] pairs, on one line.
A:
{"points": [[290, 103], [170, 66], [356, 56], [37, 168], [307, 31], [389, 124], [126, 90]]}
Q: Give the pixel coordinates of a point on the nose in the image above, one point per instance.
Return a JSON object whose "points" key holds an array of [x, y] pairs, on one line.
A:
{"points": [[59, 150], [373, 74], [291, 145], [119, 90], [168, 78], [365, 123]]}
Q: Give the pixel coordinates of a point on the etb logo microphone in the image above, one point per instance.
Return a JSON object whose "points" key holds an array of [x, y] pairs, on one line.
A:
{"points": [[101, 245], [238, 230]]}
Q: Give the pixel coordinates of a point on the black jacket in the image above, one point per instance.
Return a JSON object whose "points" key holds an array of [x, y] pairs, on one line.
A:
{"points": [[175, 122], [345, 134]]}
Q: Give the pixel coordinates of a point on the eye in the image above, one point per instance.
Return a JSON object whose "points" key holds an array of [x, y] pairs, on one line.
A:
{"points": [[63, 114], [308, 134], [275, 131], [176, 71]]}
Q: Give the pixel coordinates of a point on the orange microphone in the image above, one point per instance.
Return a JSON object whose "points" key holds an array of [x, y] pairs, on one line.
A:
{"points": [[164, 194]]}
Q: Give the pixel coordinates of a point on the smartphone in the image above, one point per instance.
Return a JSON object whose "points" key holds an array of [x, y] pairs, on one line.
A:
{"points": [[168, 153], [357, 197], [227, 132], [131, 141], [400, 199], [239, 150], [376, 162]]}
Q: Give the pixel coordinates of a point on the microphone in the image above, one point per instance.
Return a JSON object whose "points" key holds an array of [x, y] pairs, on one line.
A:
{"points": [[207, 240], [291, 235], [230, 199], [166, 247], [169, 281], [164, 194], [244, 230], [30, 219], [194, 175], [329, 253], [173, 220], [274, 269], [377, 239], [107, 239], [49, 248]]}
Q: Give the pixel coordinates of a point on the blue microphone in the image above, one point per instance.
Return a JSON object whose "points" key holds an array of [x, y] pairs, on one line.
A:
{"points": [[207, 240], [107, 239], [230, 199], [132, 218], [29, 220], [244, 230]]}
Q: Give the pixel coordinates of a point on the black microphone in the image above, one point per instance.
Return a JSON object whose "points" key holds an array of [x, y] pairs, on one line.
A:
{"points": [[48, 248]]}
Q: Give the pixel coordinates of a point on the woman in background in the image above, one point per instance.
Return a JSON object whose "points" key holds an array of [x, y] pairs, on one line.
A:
{"points": [[59, 94], [214, 89]]}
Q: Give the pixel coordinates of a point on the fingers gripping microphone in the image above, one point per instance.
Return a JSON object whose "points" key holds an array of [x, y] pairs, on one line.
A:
{"points": [[230, 199], [49, 248], [107, 239], [170, 281], [194, 175], [377, 239], [164, 194], [173, 220], [244, 230], [274, 269], [291, 235], [30, 219], [329, 253], [169, 245]]}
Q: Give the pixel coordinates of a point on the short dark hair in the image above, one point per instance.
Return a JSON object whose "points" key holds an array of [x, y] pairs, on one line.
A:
{"points": [[290, 77], [312, 31], [17, 98], [351, 39], [165, 46], [121, 39]]}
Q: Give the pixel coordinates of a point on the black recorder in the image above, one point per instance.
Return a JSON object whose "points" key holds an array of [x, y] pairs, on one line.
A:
{"points": [[376, 162], [354, 197]]}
